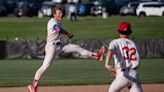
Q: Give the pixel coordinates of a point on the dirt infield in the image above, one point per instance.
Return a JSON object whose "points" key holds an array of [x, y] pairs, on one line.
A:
{"points": [[83, 88]]}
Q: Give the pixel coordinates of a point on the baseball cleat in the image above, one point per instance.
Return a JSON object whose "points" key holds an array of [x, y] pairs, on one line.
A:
{"points": [[100, 53], [32, 88]]}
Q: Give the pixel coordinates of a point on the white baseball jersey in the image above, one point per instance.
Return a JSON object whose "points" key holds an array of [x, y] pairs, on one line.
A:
{"points": [[125, 53], [53, 30]]}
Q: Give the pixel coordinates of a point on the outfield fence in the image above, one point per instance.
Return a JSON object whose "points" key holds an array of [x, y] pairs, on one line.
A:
{"points": [[34, 49]]}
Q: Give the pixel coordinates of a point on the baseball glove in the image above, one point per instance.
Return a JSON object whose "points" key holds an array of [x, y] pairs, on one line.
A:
{"points": [[70, 35]]}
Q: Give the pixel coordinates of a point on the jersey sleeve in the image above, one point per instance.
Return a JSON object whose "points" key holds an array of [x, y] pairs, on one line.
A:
{"points": [[56, 28], [53, 25], [112, 46]]}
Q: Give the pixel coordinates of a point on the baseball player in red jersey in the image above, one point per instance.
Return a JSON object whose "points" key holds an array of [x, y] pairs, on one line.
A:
{"points": [[126, 60], [54, 31]]}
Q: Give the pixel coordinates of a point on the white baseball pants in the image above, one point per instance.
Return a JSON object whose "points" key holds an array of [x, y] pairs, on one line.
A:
{"points": [[51, 49], [126, 78]]}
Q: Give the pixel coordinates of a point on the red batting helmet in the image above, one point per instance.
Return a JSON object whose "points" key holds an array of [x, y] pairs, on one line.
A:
{"points": [[124, 28]]}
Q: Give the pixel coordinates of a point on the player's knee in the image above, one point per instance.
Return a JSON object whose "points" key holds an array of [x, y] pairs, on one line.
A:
{"points": [[73, 45]]}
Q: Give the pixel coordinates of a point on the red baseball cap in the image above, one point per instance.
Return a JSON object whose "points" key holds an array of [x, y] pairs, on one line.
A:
{"points": [[124, 26]]}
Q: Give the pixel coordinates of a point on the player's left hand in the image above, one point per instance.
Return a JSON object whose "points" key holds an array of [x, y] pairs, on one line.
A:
{"points": [[111, 69], [70, 35]]}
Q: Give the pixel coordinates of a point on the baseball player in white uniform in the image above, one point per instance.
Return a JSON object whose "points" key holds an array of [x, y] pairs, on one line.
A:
{"points": [[54, 31], [126, 60]]}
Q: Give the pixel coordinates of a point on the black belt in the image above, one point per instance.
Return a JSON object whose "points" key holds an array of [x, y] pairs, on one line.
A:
{"points": [[123, 70], [128, 69]]}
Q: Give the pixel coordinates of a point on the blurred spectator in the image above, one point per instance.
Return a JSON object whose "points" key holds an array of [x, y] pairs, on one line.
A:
{"points": [[104, 13], [72, 12], [82, 10]]}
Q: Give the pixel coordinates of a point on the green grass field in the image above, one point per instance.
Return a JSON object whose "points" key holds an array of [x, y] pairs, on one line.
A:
{"points": [[20, 72], [91, 28], [72, 72]]}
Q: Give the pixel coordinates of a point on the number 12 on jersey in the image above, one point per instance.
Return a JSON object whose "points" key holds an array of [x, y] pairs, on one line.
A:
{"points": [[129, 53]]}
